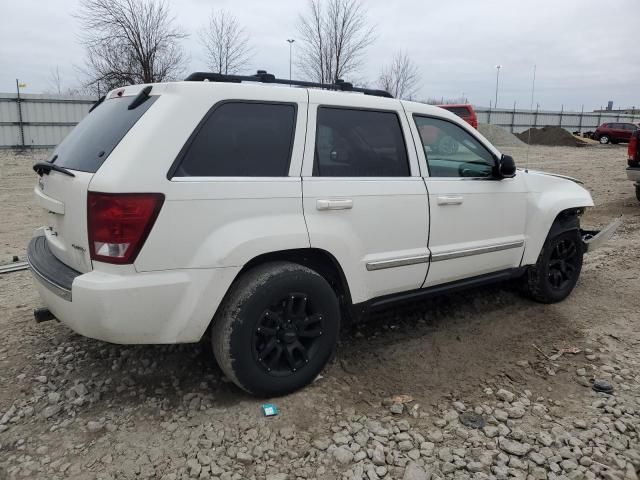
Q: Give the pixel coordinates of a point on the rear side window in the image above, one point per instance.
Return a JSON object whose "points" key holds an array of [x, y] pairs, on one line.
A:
{"points": [[359, 143], [241, 139], [94, 138], [459, 111]]}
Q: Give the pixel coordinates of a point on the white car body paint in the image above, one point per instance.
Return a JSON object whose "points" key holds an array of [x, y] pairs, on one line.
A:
{"points": [[388, 235]]}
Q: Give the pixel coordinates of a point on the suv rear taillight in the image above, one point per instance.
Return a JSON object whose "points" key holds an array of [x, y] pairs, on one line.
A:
{"points": [[632, 150], [119, 224]]}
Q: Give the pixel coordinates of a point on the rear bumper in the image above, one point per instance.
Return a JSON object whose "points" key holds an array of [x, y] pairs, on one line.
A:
{"points": [[50, 272], [174, 306], [633, 174]]}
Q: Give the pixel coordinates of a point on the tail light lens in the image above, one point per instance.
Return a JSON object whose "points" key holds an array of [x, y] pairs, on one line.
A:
{"points": [[120, 223], [632, 150]]}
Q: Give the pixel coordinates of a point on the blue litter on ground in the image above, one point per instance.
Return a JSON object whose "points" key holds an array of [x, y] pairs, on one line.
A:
{"points": [[270, 410]]}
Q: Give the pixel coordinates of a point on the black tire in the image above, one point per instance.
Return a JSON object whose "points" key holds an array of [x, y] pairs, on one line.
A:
{"points": [[276, 329], [638, 192], [604, 139], [556, 272]]}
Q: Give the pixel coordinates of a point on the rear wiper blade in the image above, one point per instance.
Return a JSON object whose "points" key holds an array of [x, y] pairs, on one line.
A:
{"points": [[142, 97], [42, 168]]}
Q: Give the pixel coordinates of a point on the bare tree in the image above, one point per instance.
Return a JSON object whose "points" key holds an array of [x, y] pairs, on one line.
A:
{"points": [[401, 77], [130, 41], [225, 42], [55, 81], [334, 36]]}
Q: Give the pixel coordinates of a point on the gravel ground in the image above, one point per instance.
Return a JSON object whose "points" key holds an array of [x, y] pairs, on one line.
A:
{"points": [[483, 385]]}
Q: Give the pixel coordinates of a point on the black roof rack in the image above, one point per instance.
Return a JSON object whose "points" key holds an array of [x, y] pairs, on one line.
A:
{"points": [[263, 77]]}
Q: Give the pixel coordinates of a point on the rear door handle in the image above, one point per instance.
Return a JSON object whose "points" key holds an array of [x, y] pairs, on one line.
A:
{"points": [[450, 200], [345, 204]]}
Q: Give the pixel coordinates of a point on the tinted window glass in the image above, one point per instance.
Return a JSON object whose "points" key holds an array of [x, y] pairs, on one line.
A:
{"points": [[92, 140], [451, 151], [459, 111], [241, 140], [359, 143]]}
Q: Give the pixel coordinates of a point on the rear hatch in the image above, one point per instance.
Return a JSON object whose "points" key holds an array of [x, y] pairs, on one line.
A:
{"points": [[81, 154]]}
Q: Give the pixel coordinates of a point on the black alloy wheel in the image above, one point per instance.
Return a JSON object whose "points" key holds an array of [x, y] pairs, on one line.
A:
{"points": [[276, 329], [287, 334], [563, 264]]}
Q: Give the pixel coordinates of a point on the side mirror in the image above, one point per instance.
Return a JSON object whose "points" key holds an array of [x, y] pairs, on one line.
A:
{"points": [[507, 167]]}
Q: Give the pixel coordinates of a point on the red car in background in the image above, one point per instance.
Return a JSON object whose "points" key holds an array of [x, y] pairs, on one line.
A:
{"points": [[464, 111], [614, 132]]}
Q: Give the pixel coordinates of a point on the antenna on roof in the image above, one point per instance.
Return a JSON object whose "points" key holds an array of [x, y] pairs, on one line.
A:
{"points": [[533, 87]]}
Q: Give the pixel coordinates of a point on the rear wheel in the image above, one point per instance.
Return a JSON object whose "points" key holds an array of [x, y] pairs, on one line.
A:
{"points": [[604, 139], [276, 329], [556, 272]]}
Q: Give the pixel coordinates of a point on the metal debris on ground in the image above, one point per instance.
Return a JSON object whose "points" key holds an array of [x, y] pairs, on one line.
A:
{"points": [[13, 267]]}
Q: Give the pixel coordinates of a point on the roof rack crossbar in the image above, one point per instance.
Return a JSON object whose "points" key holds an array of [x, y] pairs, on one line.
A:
{"points": [[262, 76]]}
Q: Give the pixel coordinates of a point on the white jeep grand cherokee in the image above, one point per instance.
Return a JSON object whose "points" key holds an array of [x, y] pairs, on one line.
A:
{"points": [[266, 214]]}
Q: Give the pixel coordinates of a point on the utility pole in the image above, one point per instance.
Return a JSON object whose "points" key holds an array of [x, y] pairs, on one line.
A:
{"points": [[290, 40], [498, 67], [20, 114]]}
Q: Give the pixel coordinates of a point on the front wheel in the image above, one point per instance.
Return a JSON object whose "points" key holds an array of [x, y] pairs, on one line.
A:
{"points": [[276, 329], [556, 272], [604, 139]]}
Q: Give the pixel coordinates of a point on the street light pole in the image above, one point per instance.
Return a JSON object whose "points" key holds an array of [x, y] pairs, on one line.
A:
{"points": [[498, 67], [290, 40]]}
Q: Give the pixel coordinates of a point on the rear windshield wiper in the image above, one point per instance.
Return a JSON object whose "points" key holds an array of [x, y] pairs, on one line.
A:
{"points": [[42, 168], [142, 97]]}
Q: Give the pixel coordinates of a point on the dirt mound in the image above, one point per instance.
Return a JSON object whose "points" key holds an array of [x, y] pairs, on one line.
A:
{"points": [[554, 136], [499, 136]]}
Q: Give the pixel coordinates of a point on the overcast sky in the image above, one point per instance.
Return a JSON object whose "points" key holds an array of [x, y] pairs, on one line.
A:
{"points": [[585, 50]]}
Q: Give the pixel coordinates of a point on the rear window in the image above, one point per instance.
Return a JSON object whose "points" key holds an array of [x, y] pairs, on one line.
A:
{"points": [[241, 139], [94, 138], [459, 111]]}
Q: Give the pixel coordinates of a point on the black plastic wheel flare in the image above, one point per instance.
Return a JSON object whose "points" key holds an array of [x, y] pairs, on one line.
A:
{"points": [[287, 335], [563, 264]]}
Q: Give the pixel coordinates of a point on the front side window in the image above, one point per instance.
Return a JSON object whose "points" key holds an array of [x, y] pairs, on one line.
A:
{"points": [[241, 139], [451, 151], [359, 143]]}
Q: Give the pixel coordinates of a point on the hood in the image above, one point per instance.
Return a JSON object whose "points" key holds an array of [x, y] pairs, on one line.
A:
{"points": [[538, 172], [557, 189]]}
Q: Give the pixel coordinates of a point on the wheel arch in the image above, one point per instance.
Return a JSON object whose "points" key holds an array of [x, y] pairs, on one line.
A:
{"points": [[318, 260], [564, 221]]}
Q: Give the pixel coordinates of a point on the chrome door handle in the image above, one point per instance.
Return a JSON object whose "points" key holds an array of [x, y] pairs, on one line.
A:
{"points": [[450, 200], [334, 204]]}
